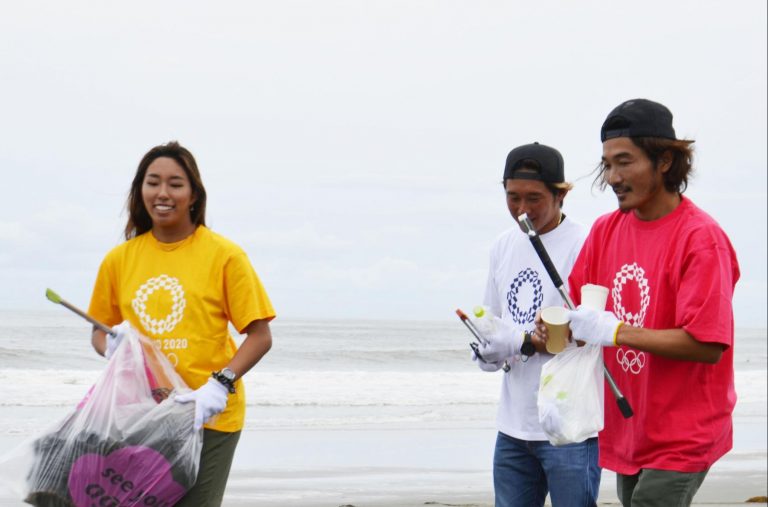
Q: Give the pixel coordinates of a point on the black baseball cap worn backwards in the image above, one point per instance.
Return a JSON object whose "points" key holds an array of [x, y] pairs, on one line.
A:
{"points": [[550, 160], [638, 118]]}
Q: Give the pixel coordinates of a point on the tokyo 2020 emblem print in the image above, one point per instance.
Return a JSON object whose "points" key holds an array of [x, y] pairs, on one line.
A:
{"points": [[630, 360], [155, 324], [630, 272], [523, 312]]}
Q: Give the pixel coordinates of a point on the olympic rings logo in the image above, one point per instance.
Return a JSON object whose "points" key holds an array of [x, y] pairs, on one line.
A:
{"points": [[631, 360]]}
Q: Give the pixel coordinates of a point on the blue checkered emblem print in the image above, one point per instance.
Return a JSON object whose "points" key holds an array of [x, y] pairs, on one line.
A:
{"points": [[525, 296]]}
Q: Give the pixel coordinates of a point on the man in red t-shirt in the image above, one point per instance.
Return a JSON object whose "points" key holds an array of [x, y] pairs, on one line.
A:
{"points": [[668, 328]]}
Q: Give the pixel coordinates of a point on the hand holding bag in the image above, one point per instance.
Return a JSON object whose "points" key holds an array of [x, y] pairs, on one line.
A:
{"points": [[126, 444]]}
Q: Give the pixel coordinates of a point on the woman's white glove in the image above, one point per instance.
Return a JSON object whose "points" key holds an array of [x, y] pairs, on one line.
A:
{"points": [[113, 341], [593, 326], [210, 399], [490, 367]]}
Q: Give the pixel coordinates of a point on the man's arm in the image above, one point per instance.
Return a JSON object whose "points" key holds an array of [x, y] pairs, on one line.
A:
{"points": [[603, 328], [670, 343]]}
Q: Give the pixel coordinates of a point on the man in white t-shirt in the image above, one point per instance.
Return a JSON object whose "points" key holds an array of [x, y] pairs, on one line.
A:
{"points": [[525, 465]]}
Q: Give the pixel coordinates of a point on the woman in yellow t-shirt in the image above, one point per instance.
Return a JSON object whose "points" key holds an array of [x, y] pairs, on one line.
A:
{"points": [[181, 284]]}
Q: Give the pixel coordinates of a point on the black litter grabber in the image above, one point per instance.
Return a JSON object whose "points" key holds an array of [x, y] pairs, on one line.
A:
{"points": [[621, 401]]}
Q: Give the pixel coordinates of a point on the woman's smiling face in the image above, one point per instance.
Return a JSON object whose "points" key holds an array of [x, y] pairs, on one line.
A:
{"points": [[167, 195]]}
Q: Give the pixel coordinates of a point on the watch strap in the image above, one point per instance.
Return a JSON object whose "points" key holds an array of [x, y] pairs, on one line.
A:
{"points": [[224, 380], [527, 349]]}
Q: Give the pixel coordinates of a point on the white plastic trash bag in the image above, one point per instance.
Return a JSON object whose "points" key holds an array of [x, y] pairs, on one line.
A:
{"points": [[571, 394], [127, 443]]}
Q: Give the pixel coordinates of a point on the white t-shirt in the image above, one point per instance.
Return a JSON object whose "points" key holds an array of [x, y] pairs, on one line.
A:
{"points": [[518, 286]]}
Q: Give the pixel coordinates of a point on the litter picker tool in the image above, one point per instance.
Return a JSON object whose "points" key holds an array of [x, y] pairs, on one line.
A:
{"points": [[621, 401], [55, 298], [479, 337], [159, 382]]}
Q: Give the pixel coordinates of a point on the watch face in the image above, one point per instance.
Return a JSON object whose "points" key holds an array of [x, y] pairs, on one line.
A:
{"points": [[228, 374], [528, 349]]}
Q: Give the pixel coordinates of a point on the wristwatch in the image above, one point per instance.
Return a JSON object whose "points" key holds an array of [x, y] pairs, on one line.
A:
{"points": [[527, 348], [225, 377]]}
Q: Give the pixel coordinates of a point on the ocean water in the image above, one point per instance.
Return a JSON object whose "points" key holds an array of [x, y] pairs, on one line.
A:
{"points": [[319, 374], [331, 374]]}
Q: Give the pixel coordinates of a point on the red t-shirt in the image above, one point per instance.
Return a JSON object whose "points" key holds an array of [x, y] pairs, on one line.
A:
{"points": [[675, 272]]}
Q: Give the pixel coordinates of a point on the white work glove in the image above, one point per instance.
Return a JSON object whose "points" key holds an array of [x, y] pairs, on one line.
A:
{"points": [[113, 341], [593, 326], [489, 367], [503, 343], [210, 399]]}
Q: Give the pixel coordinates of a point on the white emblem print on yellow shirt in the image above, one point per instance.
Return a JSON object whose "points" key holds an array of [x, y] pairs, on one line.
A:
{"points": [[157, 291]]}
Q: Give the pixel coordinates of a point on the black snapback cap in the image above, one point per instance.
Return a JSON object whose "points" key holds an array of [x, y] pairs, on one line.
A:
{"points": [[638, 118], [550, 160]]}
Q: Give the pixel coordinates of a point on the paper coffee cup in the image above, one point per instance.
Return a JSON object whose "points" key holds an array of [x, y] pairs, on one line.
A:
{"points": [[555, 318], [594, 296]]}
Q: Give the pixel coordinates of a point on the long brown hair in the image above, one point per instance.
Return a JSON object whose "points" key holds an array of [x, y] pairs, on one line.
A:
{"points": [[680, 170], [139, 220]]}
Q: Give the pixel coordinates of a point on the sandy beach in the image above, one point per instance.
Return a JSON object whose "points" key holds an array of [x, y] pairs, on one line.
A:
{"points": [[415, 467], [378, 476]]}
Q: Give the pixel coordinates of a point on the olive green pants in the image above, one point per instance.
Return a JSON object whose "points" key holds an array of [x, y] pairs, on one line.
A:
{"points": [[658, 488], [215, 462]]}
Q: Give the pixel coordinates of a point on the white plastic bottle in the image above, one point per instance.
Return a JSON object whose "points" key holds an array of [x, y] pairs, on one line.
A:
{"points": [[487, 324], [485, 321]]}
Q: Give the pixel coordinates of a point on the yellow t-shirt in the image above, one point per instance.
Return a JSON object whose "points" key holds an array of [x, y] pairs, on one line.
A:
{"points": [[183, 295]]}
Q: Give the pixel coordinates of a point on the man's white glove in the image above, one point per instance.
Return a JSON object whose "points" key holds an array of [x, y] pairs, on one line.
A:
{"points": [[504, 342], [113, 341], [490, 367], [593, 326], [210, 399]]}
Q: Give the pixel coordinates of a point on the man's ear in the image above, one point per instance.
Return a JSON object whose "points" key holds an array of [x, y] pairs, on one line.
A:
{"points": [[665, 161]]}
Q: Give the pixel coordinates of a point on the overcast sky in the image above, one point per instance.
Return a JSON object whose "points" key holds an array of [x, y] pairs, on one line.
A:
{"points": [[355, 148]]}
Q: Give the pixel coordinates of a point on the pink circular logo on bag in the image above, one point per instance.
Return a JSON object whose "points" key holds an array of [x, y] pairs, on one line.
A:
{"points": [[131, 476]]}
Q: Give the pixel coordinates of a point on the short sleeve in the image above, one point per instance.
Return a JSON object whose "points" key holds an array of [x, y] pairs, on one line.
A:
{"points": [[246, 299], [704, 306], [104, 305]]}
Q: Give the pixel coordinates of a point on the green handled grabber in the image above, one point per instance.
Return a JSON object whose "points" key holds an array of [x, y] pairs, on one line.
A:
{"points": [[55, 298]]}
